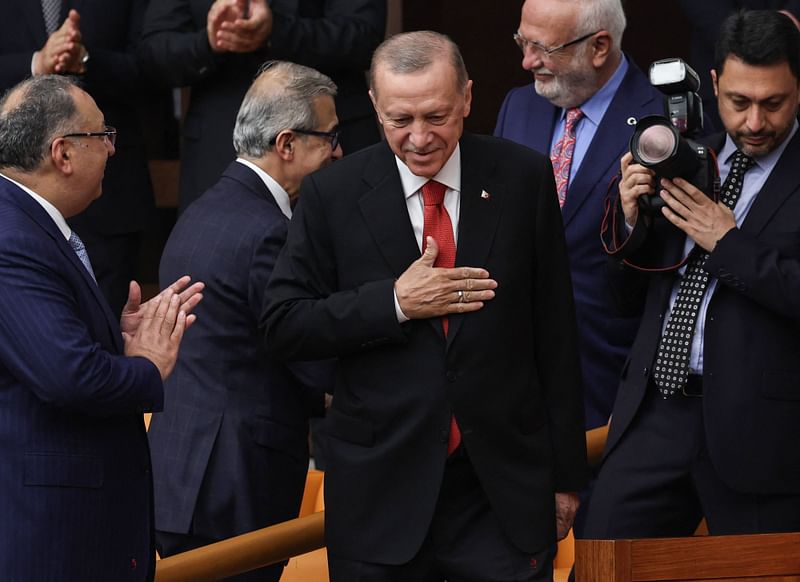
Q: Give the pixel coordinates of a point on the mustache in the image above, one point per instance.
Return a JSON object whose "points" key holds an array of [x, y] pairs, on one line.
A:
{"points": [[541, 71], [756, 134]]}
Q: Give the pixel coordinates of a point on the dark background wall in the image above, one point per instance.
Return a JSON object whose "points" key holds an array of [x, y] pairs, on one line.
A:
{"points": [[483, 29]]}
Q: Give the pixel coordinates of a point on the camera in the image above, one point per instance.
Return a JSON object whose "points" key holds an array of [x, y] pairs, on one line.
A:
{"points": [[662, 142]]}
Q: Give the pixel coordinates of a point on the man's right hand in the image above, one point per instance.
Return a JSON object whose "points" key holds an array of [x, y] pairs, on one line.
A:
{"points": [[238, 26], [63, 50], [158, 335], [636, 181], [425, 291]]}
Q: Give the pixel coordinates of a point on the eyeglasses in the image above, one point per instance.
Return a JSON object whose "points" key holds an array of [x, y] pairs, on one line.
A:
{"points": [[331, 135], [109, 134], [524, 44]]}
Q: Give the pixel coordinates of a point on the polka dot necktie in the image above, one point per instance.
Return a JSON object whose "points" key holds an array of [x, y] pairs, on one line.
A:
{"points": [[437, 224], [561, 156], [672, 360]]}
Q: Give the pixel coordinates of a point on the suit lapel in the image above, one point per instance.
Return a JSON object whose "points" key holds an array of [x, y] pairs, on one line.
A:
{"points": [[34, 19], [32, 208], [480, 212], [606, 148], [782, 183], [385, 212]]}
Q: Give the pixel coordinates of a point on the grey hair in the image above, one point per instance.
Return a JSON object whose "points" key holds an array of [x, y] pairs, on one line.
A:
{"points": [[281, 97], [410, 52], [606, 15], [42, 109]]}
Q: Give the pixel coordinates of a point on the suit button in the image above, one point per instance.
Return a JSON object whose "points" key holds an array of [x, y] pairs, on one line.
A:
{"points": [[451, 376]]}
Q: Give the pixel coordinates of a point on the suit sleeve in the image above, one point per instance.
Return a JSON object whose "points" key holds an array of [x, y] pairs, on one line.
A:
{"points": [[758, 270], [306, 316], [556, 340], [342, 38], [45, 341], [174, 47]]}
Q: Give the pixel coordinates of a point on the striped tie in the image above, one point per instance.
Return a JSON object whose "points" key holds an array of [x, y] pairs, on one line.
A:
{"points": [[51, 10]]}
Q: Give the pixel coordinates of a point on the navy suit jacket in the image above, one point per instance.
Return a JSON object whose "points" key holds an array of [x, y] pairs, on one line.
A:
{"points": [[336, 37], [110, 31], [235, 420], [508, 372], [605, 333], [75, 488], [751, 347]]}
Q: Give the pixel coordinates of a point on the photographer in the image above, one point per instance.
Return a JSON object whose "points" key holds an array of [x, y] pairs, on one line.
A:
{"points": [[706, 416]]}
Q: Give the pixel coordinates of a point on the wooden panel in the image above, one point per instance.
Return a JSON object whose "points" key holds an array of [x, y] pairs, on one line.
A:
{"points": [[716, 557], [773, 557]]}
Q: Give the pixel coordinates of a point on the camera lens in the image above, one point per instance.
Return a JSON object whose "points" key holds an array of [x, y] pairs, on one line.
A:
{"points": [[656, 143]]}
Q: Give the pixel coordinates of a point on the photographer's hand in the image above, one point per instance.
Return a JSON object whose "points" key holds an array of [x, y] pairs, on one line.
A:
{"points": [[636, 181], [703, 220]]}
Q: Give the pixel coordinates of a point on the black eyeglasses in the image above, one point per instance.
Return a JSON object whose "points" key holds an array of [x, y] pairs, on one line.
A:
{"points": [[331, 135], [524, 44], [110, 134]]}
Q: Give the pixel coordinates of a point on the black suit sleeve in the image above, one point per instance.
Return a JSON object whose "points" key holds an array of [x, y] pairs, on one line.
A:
{"points": [[341, 36]]}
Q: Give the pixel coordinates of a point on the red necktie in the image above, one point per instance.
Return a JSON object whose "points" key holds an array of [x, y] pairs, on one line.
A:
{"points": [[438, 225], [561, 156]]}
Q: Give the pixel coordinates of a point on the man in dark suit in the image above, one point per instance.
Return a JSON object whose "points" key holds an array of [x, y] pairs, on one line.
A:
{"points": [[230, 452], [705, 421], [217, 47], [96, 41], [456, 433], [593, 75], [75, 491]]}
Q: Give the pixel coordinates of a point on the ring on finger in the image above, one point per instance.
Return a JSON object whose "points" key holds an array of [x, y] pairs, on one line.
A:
{"points": [[460, 296]]}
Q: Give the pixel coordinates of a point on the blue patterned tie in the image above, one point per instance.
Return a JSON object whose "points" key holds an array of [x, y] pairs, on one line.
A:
{"points": [[51, 10], [77, 245]]}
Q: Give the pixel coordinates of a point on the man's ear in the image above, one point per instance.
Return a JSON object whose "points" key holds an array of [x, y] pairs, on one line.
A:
{"points": [[601, 49], [60, 152], [284, 145], [715, 82]]}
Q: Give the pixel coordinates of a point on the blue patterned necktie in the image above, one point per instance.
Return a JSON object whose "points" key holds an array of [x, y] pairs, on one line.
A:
{"points": [[77, 245], [671, 368], [51, 11]]}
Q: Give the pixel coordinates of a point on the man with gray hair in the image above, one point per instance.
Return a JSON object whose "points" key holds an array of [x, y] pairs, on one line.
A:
{"points": [[580, 110], [74, 381], [230, 454]]}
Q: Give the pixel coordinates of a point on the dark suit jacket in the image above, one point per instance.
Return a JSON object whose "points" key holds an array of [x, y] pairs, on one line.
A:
{"points": [[110, 32], [605, 333], [75, 489], [235, 420], [336, 37], [751, 348], [509, 372]]}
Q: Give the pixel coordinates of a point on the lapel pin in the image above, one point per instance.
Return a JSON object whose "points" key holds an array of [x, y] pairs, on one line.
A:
{"points": [[485, 195]]}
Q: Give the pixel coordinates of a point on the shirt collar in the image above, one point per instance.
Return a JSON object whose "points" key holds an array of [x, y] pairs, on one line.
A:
{"points": [[765, 163], [595, 107], [51, 210], [449, 175], [280, 195]]}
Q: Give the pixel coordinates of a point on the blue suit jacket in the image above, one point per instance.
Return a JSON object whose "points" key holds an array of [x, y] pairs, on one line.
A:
{"points": [[235, 420], [75, 489], [605, 334]]}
